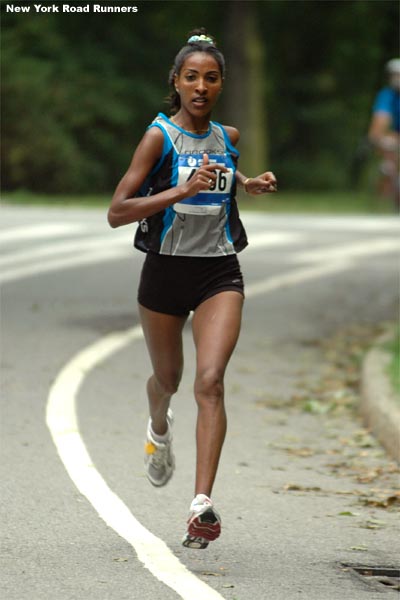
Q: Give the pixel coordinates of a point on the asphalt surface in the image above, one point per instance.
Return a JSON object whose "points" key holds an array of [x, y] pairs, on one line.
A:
{"points": [[301, 493]]}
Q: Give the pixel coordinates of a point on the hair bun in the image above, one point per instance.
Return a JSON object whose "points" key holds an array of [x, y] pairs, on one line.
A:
{"points": [[200, 35]]}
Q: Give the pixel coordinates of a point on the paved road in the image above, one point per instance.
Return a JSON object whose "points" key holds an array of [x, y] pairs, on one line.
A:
{"points": [[300, 492]]}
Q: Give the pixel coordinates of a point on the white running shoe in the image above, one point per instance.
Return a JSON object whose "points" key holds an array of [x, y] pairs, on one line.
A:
{"points": [[159, 460], [204, 523]]}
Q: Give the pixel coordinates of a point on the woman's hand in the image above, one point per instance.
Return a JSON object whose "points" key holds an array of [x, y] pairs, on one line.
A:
{"points": [[263, 184], [204, 178]]}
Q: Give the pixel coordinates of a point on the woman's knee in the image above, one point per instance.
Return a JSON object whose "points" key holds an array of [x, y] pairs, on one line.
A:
{"points": [[209, 385], [168, 382]]}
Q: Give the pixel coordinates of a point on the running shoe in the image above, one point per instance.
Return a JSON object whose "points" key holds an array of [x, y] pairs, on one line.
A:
{"points": [[204, 523], [159, 461]]}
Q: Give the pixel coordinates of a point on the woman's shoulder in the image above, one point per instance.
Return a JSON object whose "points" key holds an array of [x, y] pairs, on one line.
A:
{"points": [[232, 133], [152, 142], [154, 135]]}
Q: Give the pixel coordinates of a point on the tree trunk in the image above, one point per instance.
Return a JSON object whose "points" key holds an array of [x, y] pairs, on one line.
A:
{"points": [[244, 89]]}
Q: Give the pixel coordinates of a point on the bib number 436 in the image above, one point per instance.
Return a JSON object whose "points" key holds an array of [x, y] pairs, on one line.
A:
{"points": [[220, 185]]}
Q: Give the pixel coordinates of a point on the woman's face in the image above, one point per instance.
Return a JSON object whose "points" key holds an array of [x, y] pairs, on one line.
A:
{"points": [[199, 83]]}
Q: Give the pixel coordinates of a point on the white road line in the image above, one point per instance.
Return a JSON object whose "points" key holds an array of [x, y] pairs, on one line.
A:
{"points": [[31, 254], [62, 422], [107, 241], [354, 250], [273, 238], [83, 253], [356, 223], [296, 277], [68, 262], [40, 231]]}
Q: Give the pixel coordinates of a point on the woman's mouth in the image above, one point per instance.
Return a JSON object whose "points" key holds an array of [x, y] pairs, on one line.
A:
{"points": [[199, 101]]}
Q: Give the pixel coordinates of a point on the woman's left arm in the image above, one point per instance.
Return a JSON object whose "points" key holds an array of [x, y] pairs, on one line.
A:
{"points": [[262, 184]]}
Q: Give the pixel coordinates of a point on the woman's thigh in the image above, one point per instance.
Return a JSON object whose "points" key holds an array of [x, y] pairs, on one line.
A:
{"points": [[163, 335], [216, 328]]}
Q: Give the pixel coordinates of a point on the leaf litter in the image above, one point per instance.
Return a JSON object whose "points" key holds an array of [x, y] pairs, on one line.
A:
{"points": [[336, 395]]}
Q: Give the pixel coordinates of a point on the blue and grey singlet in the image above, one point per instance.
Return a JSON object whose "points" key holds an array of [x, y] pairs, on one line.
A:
{"points": [[207, 224]]}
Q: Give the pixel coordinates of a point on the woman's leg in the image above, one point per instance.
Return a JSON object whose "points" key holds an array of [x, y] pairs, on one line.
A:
{"points": [[216, 327], [163, 335]]}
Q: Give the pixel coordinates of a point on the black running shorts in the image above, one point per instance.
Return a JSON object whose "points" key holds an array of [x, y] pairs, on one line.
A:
{"points": [[175, 285]]}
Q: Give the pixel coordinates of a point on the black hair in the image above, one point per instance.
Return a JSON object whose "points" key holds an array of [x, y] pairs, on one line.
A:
{"points": [[197, 45]]}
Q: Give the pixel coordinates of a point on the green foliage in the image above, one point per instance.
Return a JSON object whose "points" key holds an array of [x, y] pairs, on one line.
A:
{"points": [[393, 347], [70, 105], [325, 65], [78, 90]]}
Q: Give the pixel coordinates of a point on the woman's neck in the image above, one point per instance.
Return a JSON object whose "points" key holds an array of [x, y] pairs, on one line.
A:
{"points": [[191, 125]]}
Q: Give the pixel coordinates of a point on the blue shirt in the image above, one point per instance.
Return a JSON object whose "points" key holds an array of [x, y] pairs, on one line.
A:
{"points": [[388, 101]]}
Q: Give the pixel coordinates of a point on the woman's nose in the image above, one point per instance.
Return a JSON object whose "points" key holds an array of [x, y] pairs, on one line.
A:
{"points": [[201, 86]]}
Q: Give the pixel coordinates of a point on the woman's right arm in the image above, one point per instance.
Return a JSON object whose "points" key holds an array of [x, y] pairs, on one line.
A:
{"points": [[127, 208]]}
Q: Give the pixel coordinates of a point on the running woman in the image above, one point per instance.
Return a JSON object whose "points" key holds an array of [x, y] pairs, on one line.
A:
{"points": [[180, 188]]}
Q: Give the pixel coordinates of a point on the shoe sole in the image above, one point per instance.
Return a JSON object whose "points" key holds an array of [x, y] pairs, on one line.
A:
{"points": [[195, 543], [202, 529]]}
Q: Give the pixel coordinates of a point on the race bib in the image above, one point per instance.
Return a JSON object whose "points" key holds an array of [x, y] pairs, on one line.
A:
{"points": [[208, 202]]}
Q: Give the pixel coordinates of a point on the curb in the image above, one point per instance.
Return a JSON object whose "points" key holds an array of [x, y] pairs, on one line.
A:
{"points": [[379, 407]]}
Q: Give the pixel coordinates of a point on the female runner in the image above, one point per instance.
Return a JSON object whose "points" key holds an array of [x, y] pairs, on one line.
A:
{"points": [[180, 187]]}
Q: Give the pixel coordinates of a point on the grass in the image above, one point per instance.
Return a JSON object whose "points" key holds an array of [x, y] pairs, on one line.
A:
{"points": [[350, 202], [317, 202], [393, 347]]}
